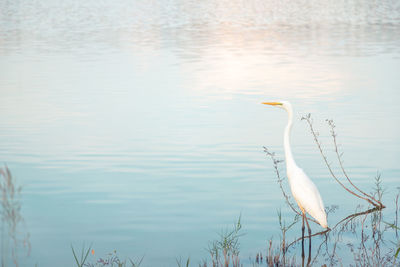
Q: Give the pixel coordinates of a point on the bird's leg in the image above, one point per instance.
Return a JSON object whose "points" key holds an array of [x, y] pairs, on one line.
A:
{"points": [[309, 230], [309, 243], [302, 237]]}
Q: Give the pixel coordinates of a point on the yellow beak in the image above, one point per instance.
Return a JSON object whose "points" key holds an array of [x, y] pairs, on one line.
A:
{"points": [[271, 103]]}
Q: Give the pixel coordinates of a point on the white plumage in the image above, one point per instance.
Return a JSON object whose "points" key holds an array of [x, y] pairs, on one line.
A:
{"points": [[306, 195]]}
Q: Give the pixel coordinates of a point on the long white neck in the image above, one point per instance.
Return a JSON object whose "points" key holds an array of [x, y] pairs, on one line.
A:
{"points": [[286, 141]]}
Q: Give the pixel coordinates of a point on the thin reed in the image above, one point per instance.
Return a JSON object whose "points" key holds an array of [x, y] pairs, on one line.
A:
{"points": [[12, 222]]}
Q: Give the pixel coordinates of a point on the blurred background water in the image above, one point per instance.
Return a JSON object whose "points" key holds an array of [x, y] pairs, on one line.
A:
{"points": [[137, 125]]}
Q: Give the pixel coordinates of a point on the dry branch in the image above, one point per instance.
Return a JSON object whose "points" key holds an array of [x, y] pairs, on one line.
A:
{"points": [[315, 134]]}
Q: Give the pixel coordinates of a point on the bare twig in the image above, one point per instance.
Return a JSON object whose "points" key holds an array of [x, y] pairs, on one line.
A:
{"points": [[315, 134], [339, 157]]}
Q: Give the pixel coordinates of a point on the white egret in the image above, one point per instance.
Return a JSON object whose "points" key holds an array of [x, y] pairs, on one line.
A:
{"points": [[303, 189]]}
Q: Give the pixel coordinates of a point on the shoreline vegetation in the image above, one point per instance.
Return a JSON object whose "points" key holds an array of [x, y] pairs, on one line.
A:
{"points": [[364, 235]]}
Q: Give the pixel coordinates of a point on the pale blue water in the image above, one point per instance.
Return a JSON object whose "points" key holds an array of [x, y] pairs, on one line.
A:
{"points": [[137, 125]]}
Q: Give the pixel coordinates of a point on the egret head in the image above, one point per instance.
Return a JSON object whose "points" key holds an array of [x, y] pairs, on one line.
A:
{"points": [[280, 104]]}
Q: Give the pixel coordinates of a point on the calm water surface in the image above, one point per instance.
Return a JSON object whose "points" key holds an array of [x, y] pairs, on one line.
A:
{"points": [[137, 125]]}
